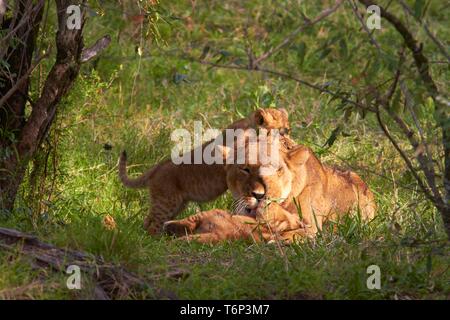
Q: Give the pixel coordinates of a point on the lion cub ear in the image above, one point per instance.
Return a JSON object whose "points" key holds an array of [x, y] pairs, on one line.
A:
{"points": [[299, 155], [258, 118]]}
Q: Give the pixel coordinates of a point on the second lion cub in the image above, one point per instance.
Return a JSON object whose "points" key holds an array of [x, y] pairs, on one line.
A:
{"points": [[217, 225]]}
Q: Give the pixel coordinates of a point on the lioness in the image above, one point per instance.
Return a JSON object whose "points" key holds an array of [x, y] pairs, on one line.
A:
{"points": [[219, 225], [321, 192], [172, 186]]}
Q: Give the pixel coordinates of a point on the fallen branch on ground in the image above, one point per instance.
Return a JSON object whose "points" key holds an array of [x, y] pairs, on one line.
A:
{"points": [[111, 281]]}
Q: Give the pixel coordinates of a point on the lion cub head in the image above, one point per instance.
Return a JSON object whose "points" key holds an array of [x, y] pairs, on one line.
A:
{"points": [[271, 118]]}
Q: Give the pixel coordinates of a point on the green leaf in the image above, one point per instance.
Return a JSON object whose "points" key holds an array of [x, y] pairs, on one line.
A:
{"points": [[324, 53], [266, 99], [418, 7], [301, 52], [343, 50], [334, 134], [388, 61], [372, 71], [396, 106], [4, 64]]}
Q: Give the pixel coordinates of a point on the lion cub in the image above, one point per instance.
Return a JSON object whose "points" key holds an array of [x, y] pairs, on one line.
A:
{"points": [[217, 225], [172, 186]]}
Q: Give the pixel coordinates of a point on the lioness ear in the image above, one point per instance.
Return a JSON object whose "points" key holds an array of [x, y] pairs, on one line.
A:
{"points": [[299, 155], [259, 117]]}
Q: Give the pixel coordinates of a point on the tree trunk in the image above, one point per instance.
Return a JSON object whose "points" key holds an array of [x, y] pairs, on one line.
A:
{"points": [[20, 138], [14, 94]]}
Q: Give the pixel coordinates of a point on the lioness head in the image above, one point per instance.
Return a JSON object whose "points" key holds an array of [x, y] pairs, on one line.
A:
{"points": [[252, 184]]}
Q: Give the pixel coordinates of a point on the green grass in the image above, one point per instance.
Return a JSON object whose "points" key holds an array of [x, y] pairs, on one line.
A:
{"points": [[133, 103]]}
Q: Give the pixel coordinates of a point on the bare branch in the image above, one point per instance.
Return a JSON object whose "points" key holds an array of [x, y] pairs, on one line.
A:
{"points": [[364, 26], [31, 12], [322, 89], [422, 65], [426, 161], [405, 158], [436, 41], [419, 58], [394, 84], [22, 80], [249, 49]]}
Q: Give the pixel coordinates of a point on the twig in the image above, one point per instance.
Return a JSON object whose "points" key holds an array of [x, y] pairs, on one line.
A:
{"points": [[419, 58], [364, 26], [428, 158], [22, 79], [436, 41], [25, 19], [282, 75], [424, 161], [425, 190], [141, 42], [356, 167], [325, 13], [249, 50], [422, 65], [394, 84]]}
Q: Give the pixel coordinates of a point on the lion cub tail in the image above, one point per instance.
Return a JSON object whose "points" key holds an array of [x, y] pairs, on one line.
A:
{"points": [[140, 182]]}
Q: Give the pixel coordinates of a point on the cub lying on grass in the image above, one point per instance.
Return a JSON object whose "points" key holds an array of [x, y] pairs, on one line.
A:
{"points": [[172, 186], [217, 225]]}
